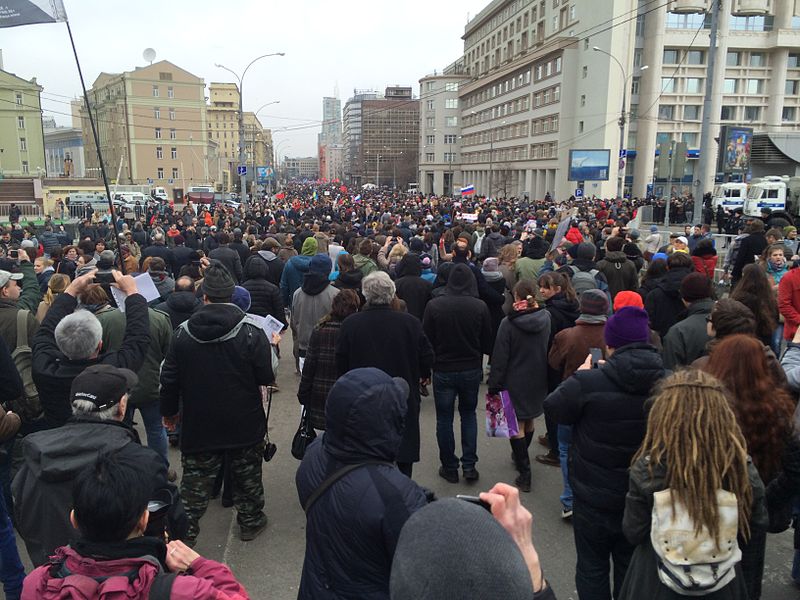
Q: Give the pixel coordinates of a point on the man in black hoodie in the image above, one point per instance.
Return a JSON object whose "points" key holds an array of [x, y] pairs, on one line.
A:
{"points": [[411, 287], [459, 327], [222, 412], [180, 304], [664, 304]]}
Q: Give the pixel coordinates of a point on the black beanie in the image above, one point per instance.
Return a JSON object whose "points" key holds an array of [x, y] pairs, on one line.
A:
{"points": [[218, 283], [451, 550]]}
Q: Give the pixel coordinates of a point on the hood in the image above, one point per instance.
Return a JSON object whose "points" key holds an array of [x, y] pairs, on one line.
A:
{"points": [[163, 282], [301, 263], [360, 260], [704, 252], [315, 283], [496, 237], [442, 274], [535, 248], [570, 309], [256, 269], [641, 359], [530, 321], [461, 282], [211, 322], [350, 280], [616, 257], [183, 302], [365, 416], [671, 282], [492, 276], [409, 265], [267, 255]]}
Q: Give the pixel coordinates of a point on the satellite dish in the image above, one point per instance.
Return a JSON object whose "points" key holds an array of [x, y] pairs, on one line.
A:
{"points": [[149, 54]]}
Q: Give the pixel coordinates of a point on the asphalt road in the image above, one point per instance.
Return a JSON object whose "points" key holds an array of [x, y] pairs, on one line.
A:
{"points": [[270, 566]]}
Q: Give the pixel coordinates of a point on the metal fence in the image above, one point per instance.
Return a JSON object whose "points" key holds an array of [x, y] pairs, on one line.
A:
{"points": [[30, 212]]}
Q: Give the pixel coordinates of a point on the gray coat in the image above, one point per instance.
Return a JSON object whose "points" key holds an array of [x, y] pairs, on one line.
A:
{"points": [[307, 310], [519, 361], [686, 341]]}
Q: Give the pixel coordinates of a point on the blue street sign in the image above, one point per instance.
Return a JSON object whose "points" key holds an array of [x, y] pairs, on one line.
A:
{"points": [[623, 153], [241, 170], [149, 181], [579, 193], [170, 181]]}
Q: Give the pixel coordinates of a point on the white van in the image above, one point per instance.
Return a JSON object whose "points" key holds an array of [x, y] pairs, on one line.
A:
{"points": [[729, 196], [159, 193], [131, 198], [768, 192]]}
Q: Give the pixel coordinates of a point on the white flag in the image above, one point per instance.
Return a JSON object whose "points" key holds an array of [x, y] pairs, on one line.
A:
{"points": [[30, 12]]}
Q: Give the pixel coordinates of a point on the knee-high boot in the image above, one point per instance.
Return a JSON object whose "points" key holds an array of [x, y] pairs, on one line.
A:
{"points": [[523, 464], [528, 438]]}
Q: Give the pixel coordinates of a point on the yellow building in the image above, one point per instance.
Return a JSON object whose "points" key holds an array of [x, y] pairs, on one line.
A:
{"points": [[21, 135], [152, 127]]}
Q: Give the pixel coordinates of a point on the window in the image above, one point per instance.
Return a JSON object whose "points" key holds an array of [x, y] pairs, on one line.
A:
{"points": [[696, 57], [158, 133], [794, 61], [583, 99], [430, 104], [159, 152], [23, 144], [429, 86], [171, 114], [728, 113], [430, 139], [687, 21], [755, 86], [757, 59], [156, 113], [450, 139], [788, 113], [693, 85], [451, 87], [18, 97], [451, 121], [160, 173], [752, 23], [666, 112], [449, 157], [572, 13], [691, 112], [172, 134], [580, 126], [25, 169], [174, 172], [556, 93], [637, 58], [429, 122], [670, 56], [752, 113], [170, 92], [429, 157], [792, 87], [667, 85], [690, 139], [20, 122], [165, 76], [173, 153], [729, 86], [585, 72], [640, 20], [451, 103], [734, 59]]}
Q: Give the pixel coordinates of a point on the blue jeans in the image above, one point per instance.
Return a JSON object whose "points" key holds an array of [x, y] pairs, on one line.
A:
{"points": [[11, 570], [796, 561], [446, 387], [153, 427], [564, 442], [777, 340]]}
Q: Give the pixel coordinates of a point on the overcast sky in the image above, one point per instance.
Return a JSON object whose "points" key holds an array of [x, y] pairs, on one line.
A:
{"points": [[353, 43]]}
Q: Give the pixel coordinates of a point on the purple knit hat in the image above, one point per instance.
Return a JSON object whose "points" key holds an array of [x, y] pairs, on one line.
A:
{"points": [[629, 325]]}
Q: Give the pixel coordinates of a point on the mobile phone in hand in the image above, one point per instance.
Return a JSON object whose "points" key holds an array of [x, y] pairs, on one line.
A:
{"points": [[475, 500], [597, 356]]}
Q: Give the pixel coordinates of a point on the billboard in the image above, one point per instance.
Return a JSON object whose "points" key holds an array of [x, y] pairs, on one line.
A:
{"points": [[589, 165], [263, 173], [735, 144]]}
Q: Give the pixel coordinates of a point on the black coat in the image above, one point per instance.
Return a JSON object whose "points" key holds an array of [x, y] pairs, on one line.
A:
{"points": [[265, 296], [352, 530], [664, 305], [605, 406], [181, 256], [274, 265], [415, 291], [751, 246], [179, 306], [161, 251], [395, 343], [215, 365], [229, 259], [242, 249]]}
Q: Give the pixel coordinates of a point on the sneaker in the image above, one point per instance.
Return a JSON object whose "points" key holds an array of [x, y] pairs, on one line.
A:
{"points": [[548, 459], [248, 535], [449, 475], [566, 513], [471, 474]]}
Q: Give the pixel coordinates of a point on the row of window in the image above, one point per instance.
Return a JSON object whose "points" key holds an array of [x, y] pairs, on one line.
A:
{"points": [[157, 113], [511, 107], [430, 122], [448, 157], [430, 140], [450, 86], [543, 151], [157, 92], [160, 152], [498, 89], [160, 173], [696, 85], [172, 134], [448, 103]]}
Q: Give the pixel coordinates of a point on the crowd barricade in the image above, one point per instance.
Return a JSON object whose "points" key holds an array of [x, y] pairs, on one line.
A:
{"points": [[30, 212]]}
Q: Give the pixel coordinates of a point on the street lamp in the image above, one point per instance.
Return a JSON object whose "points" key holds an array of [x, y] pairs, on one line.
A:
{"points": [[622, 118], [242, 176]]}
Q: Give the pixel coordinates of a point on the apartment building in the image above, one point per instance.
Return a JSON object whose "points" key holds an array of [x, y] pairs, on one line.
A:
{"points": [[353, 162], [21, 134]]}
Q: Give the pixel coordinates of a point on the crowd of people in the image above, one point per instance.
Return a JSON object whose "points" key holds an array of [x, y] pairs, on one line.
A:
{"points": [[629, 341]]}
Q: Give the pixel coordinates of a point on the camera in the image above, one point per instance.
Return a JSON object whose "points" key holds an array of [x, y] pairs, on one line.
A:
{"points": [[13, 254], [104, 277]]}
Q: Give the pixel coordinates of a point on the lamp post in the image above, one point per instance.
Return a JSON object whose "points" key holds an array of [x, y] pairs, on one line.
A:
{"points": [[623, 117], [242, 159]]}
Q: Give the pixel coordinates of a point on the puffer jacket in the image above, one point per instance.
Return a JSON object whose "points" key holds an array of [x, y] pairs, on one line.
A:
{"points": [[292, 277], [352, 530], [705, 261], [605, 406], [621, 274], [274, 265], [664, 305], [179, 306], [50, 241], [265, 296]]}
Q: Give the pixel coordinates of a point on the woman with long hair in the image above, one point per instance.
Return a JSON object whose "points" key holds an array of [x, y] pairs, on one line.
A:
{"points": [[508, 259], [56, 285], [656, 271], [755, 291], [519, 366], [693, 448]]}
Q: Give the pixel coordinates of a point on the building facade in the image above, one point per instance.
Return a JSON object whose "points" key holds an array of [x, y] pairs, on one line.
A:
{"points": [[64, 152], [152, 127], [353, 162], [21, 134], [306, 167], [329, 140]]}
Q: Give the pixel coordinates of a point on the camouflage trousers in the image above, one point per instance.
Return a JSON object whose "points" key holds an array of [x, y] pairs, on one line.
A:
{"points": [[201, 469]]}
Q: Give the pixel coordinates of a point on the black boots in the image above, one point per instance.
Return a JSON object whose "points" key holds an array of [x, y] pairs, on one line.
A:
{"points": [[519, 448]]}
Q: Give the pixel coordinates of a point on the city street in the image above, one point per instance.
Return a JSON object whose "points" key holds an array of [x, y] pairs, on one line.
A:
{"points": [[270, 566]]}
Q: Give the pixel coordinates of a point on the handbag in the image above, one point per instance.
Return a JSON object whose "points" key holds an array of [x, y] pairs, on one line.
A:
{"points": [[501, 418], [304, 435], [269, 448]]}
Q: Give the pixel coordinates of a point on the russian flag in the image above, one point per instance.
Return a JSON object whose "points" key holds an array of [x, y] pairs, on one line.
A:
{"points": [[357, 198], [468, 191]]}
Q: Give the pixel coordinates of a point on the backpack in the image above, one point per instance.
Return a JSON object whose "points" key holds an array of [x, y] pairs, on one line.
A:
{"points": [[28, 406], [476, 249], [97, 587], [587, 280], [689, 563]]}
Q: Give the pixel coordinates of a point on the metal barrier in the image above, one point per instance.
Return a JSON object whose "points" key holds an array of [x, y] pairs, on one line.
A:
{"points": [[29, 211]]}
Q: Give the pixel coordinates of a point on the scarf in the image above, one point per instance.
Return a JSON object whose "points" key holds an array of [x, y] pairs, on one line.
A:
{"points": [[592, 319]]}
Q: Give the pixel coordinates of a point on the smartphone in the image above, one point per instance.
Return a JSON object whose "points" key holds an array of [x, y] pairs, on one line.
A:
{"points": [[104, 277], [13, 254], [597, 356], [475, 500]]}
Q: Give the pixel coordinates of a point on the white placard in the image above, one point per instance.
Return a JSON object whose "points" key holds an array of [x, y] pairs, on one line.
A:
{"points": [[144, 285]]}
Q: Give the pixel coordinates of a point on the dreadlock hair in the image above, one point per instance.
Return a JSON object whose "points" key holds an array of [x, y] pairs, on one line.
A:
{"points": [[693, 433]]}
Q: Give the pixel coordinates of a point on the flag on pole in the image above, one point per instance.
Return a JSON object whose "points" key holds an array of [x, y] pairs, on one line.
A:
{"points": [[280, 196], [468, 191], [14, 13], [357, 198]]}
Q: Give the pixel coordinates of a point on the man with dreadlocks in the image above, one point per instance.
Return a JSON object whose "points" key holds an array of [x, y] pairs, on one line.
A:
{"points": [[605, 407], [694, 448]]}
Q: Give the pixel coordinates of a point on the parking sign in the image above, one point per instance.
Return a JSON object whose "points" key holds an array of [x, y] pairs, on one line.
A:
{"points": [[579, 193], [241, 170]]}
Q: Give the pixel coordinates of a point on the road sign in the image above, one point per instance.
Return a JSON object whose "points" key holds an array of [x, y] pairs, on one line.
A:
{"points": [[621, 163], [579, 193], [170, 181], [149, 181], [241, 170], [623, 153]]}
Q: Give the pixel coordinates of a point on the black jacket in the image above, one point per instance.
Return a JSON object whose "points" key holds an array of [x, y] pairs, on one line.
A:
{"points": [[215, 365], [415, 291], [179, 306], [229, 259], [750, 247], [265, 296], [352, 530], [605, 406], [458, 324], [181, 256], [664, 305], [161, 251], [274, 265], [563, 313], [242, 249], [53, 372]]}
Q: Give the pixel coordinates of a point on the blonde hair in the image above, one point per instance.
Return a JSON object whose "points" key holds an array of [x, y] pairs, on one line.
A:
{"points": [[398, 252], [692, 431], [57, 284], [508, 255]]}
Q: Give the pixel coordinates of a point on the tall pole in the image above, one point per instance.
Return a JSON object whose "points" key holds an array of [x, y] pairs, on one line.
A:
{"points": [[378, 170], [491, 161], [707, 161]]}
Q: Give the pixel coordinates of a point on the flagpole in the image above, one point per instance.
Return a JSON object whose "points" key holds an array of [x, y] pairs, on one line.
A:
{"points": [[97, 146]]}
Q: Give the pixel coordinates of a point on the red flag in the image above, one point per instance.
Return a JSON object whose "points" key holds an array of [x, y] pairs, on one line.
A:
{"points": [[280, 196], [343, 189]]}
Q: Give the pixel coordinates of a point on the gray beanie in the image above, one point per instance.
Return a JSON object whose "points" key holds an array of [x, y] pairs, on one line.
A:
{"points": [[454, 550], [218, 283]]}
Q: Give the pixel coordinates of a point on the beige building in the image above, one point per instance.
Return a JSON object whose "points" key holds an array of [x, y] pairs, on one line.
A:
{"points": [[152, 122], [21, 134]]}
